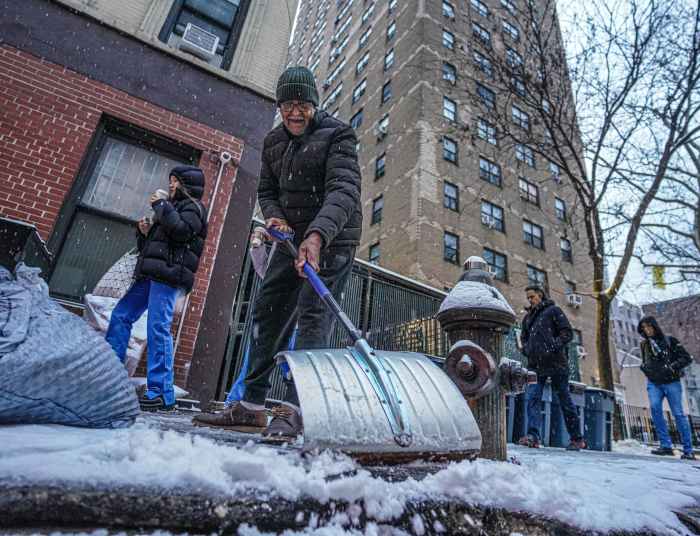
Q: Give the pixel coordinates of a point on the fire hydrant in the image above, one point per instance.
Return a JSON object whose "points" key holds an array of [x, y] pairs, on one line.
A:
{"points": [[476, 316]]}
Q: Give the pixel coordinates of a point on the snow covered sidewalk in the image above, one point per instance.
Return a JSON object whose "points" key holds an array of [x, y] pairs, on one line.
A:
{"points": [[590, 490]]}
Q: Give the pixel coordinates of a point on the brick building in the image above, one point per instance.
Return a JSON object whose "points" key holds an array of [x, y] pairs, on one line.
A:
{"points": [[434, 192], [99, 99]]}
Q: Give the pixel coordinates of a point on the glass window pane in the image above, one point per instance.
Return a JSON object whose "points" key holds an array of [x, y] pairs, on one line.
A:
{"points": [[124, 177], [221, 11]]}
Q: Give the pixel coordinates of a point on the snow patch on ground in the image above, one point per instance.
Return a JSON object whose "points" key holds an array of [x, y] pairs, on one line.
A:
{"points": [[631, 446], [599, 491]]}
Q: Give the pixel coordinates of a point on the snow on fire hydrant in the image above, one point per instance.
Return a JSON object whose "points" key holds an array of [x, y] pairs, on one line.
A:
{"points": [[476, 317]]}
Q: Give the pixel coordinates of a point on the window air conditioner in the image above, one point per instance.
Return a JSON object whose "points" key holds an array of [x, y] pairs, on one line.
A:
{"points": [[199, 42], [488, 221], [580, 351], [575, 300], [380, 131]]}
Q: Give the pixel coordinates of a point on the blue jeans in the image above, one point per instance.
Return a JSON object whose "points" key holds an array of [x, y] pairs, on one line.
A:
{"points": [[159, 299], [674, 394], [560, 388]]}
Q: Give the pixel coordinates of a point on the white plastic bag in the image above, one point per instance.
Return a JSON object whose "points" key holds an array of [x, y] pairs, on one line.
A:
{"points": [[119, 278]]}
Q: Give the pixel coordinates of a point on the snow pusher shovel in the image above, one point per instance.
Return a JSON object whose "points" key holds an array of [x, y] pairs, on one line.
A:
{"points": [[377, 406]]}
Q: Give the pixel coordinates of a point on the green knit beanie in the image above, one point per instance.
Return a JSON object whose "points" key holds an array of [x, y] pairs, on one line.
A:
{"points": [[297, 83]]}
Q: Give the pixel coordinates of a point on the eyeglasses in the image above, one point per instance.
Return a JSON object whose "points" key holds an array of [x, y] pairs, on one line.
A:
{"points": [[303, 107]]}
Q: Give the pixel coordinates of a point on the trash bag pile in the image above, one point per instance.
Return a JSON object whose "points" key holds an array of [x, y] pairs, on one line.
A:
{"points": [[54, 368]]}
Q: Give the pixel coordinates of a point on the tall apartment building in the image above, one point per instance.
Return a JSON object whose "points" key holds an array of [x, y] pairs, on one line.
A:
{"points": [[624, 318], [100, 98], [436, 190]]}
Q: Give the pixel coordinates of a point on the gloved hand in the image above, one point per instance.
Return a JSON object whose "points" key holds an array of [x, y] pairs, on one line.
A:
{"points": [[279, 224], [309, 251]]}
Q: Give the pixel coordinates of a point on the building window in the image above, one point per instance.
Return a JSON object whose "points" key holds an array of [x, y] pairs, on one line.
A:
{"points": [[489, 171], [520, 118], [509, 6], [364, 37], [487, 97], [524, 154], [513, 59], [570, 287], [448, 40], [486, 131], [532, 234], [377, 206], [560, 209], [449, 150], [546, 106], [518, 85], [450, 248], [448, 9], [492, 216], [449, 73], [449, 109], [386, 92], [221, 18], [380, 166], [555, 171], [362, 63], [529, 191], [392, 5], [330, 100], [480, 8], [511, 30], [389, 59], [391, 31], [374, 253], [110, 194], [537, 277], [382, 127], [483, 64], [359, 91], [566, 253], [481, 34], [356, 120], [450, 196], [368, 13], [498, 264]]}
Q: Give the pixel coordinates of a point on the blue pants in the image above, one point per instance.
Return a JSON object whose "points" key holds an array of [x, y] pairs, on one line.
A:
{"points": [[674, 394], [159, 299], [560, 388]]}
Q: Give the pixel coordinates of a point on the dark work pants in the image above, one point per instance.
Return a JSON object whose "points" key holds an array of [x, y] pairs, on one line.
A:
{"points": [[560, 389], [281, 292]]}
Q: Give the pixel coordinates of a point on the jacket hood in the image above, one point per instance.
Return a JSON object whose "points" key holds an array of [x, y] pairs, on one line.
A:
{"points": [[192, 178], [658, 332]]}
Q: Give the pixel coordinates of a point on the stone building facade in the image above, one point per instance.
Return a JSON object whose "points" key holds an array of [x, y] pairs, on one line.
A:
{"points": [[433, 193], [98, 99]]}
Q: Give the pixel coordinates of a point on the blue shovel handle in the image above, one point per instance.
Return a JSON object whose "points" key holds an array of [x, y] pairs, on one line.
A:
{"points": [[317, 284]]}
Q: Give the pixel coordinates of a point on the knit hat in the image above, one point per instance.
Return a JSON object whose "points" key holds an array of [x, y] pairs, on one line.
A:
{"points": [[297, 83]]}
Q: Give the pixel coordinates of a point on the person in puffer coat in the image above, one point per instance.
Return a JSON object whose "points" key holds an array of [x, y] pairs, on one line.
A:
{"points": [[545, 333], [663, 361], [310, 185], [170, 248]]}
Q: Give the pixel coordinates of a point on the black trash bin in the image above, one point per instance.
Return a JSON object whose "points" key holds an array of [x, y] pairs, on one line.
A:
{"points": [[598, 418], [559, 436], [20, 242]]}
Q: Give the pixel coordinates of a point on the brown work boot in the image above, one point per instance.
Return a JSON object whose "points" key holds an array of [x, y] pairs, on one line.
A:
{"points": [[237, 417], [286, 424]]}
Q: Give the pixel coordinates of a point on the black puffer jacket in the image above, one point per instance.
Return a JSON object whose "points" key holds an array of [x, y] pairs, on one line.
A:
{"points": [[313, 181], [545, 333], [663, 358], [170, 253]]}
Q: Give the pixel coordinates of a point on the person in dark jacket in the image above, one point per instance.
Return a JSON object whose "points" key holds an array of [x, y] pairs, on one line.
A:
{"points": [[663, 361], [545, 333], [169, 251], [309, 184]]}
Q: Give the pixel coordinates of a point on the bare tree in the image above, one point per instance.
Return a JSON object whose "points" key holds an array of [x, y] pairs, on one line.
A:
{"points": [[609, 112]]}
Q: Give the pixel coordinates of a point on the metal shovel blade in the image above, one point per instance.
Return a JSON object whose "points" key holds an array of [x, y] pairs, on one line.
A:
{"points": [[341, 411]]}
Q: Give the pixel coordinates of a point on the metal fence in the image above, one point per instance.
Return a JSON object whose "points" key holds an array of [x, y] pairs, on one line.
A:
{"points": [[636, 423]]}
